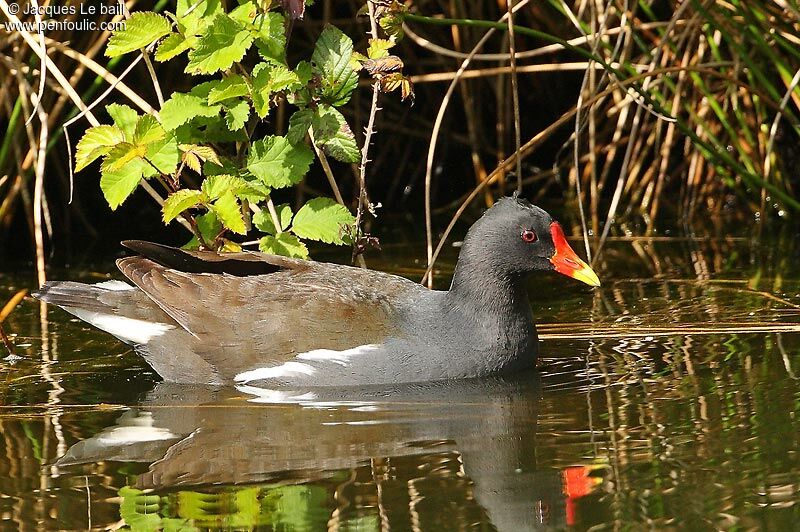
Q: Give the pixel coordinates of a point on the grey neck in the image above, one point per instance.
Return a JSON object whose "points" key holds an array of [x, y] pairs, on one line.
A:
{"points": [[485, 288]]}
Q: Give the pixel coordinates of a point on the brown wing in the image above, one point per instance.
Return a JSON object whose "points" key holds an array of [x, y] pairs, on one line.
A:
{"points": [[240, 322]]}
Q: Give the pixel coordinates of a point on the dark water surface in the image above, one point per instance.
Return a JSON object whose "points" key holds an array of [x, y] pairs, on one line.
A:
{"points": [[668, 399]]}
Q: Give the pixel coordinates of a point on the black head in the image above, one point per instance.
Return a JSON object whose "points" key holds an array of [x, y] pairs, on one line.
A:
{"points": [[515, 237]]}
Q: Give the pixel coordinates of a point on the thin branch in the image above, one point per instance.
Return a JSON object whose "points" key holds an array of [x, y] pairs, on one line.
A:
{"points": [[368, 132], [326, 167]]}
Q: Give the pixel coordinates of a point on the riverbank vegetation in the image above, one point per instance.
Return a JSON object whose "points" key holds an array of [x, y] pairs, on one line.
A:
{"points": [[274, 124]]}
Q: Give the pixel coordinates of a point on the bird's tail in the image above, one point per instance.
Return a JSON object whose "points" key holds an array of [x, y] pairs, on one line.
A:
{"points": [[112, 306]]}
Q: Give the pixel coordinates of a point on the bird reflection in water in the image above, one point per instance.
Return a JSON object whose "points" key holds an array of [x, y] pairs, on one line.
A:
{"points": [[433, 456]]}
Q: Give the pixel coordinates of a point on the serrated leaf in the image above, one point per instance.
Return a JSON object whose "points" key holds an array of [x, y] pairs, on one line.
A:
{"points": [[223, 166], [326, 122], [277, 163], [379, 48], [179, 201], [96, 142], [304, 71], [174, 45], [204, 89], [182, 107], [268, 79], [236, 115], [124, 118], [164, 155], [231, 86], [284, 244], [148, 130], [263, 220], [215, 186], [390, 19], [331, 60], [192, 161], [322, 219], [245, 13], [142, 28], [229, 213], [223, 43], [299, 123], [118, 184], [282, 79], [120, 155], [271, 36], [335, 136], [261, 90], [204, 153]]}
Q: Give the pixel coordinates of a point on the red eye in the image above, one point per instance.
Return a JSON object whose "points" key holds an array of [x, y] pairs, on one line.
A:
{"points": [[529, 236]]}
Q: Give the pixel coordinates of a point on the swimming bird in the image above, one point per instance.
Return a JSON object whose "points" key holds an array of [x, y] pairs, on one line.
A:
{"points": [[255, 319]]}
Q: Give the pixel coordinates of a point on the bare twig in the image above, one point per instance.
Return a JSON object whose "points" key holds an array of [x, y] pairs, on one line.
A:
{"points": [[326, 168], [368, 132]]}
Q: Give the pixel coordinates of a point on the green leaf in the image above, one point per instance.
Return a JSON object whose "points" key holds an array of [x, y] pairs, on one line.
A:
{"points": [[164, 155], [221, 45], [268, 79], [231, 86], [285, 244], [204, 153], [245, 13], [174, 45], [331, 60], [236, 116], [96, 142], [142, 28], [283, 79], [124, 118], [179, 201], [263, 220], [379, 48], [118, 184], [122, 154], [209, 226], [148, 130], [229, 213], [193, 16], [337, 141], [326, 122], [181, 108], [321, 219], [262, 89], [215, 186], [277, 163], [271, 36], [299, 123]]}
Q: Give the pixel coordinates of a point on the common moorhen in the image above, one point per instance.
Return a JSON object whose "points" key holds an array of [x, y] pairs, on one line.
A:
{"points": [[249, 317]]}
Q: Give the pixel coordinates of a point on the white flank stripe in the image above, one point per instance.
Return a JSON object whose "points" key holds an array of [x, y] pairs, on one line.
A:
{"points": [[287, 369], [126, 329], [264, 395], [337, 357], [116, 286]]}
